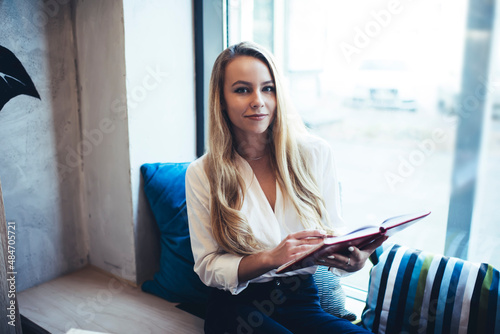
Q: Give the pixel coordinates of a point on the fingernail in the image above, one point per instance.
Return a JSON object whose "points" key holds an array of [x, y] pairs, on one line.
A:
{"points": [[350, 249], [331, 257], [322, 231]]}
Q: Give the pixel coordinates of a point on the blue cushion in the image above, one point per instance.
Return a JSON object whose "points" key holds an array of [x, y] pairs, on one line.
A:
{"points": [[164, 185], [413, 291]]}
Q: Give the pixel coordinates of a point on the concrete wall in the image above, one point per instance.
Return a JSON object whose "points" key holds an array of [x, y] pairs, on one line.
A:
{"points": [[100, 44], [41, 183], [159, 49], [116, 80]]}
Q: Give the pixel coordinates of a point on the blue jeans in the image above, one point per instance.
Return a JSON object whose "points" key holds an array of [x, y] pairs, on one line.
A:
{"points": [[283, 305]]}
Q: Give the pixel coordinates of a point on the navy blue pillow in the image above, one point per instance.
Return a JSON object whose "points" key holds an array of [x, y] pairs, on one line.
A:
{"points": [[164, 185]]}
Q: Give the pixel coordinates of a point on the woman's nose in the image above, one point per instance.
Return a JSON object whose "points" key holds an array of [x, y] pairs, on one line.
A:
{"points": [[257, 101]]}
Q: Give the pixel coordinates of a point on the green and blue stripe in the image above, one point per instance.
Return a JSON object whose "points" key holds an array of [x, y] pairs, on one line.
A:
{"points": [[415, 292]]}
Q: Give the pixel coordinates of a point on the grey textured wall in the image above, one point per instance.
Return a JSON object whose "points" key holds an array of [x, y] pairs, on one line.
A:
{"points": [[42, 184]]}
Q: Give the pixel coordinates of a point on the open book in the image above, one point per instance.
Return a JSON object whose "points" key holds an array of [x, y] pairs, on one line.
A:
{"points": [[360, 237]]}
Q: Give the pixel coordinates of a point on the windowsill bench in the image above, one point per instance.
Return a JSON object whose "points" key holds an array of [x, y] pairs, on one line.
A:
{"points": [[92, 300]]}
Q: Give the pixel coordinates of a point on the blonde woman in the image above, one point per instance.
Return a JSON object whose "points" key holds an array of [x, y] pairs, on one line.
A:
{"points": [[264, 192]]}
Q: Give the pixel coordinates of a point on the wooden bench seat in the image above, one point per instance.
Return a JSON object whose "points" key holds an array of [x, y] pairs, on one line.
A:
{"points": [[91, 300]]}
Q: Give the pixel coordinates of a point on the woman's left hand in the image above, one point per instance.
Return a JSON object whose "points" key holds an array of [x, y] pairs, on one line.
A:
{"points": [[352, 262]]}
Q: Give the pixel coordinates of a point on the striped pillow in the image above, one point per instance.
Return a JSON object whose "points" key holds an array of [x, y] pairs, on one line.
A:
{"points": [[413, 291], [331, 294]]}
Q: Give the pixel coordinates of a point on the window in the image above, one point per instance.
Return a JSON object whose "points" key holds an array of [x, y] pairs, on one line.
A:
{"points": [[409, 105]]}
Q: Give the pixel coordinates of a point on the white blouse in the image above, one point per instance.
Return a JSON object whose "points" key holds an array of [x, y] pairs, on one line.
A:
{"points": [[270, 227]]}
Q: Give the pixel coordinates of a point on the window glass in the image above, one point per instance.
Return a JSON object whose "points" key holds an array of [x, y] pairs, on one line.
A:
{"points": [[381, 81], [484, 245]]}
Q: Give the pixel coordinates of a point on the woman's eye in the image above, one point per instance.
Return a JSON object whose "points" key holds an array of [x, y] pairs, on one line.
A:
{"points": [[241, 90], [268, 89]]}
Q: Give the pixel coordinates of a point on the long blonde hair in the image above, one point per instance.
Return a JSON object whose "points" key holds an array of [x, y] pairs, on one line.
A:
{"points": [[230, 227]]}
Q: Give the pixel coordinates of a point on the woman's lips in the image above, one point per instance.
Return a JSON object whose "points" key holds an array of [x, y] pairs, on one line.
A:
{"points": [[257, 117]]}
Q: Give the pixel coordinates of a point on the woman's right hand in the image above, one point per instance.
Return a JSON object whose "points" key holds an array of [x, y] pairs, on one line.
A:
{"points": [[291, 247], [294, 245]]}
